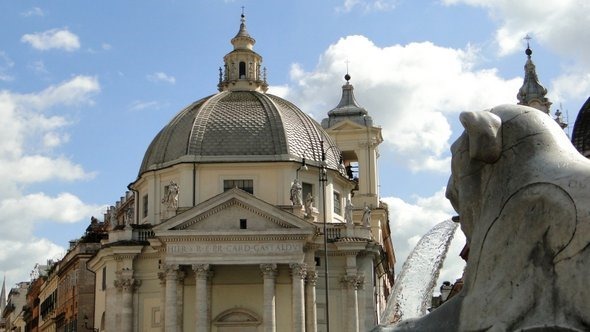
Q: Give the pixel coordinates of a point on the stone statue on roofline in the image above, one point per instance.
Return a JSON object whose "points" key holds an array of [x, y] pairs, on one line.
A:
{"points": [[308, 205], [296, 194], [348, 212], [366, 219], [521, 191]]}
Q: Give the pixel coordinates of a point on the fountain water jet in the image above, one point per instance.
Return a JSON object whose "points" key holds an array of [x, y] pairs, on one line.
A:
{"points": [[412, 292]]}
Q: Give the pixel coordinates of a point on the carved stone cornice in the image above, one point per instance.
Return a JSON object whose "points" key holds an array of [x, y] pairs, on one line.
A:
{"points": [[233, 237], [125, 256], [298, 270], [269, 270]]}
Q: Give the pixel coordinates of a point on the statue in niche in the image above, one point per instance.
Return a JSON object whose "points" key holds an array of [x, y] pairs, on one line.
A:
{"points": [[296, 193], [171, 195], [308, 205], [129, 215], [366, 220], [521, 191], [348, 212]]}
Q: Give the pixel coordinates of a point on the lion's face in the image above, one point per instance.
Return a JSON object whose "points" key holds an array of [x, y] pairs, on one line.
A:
{"points": [[463, 188]]}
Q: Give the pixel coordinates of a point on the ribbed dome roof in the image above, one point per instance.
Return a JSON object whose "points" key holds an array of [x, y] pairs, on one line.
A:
{"points": [[239, 126]]}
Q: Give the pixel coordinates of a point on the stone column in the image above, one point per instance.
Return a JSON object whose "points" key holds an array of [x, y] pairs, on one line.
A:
{"points": [[351, 284], [201, 297], [171, 323], [298, 272], [269, 272], [162, 277], [180, 298], [125, 284], [311, 316]]}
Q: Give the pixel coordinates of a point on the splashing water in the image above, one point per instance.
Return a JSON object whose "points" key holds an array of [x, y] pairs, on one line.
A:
{"points": [[412, 292]]}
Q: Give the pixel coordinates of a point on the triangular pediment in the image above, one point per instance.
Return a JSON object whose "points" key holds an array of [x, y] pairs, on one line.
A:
{"points": [[346, 125], [237, 212]]}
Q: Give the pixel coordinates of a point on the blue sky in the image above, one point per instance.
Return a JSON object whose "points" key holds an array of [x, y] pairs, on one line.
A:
{"points": [[85, 86]]}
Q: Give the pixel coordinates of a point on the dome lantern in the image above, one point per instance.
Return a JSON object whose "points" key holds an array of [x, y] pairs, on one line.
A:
{"points": [[242, 66]]}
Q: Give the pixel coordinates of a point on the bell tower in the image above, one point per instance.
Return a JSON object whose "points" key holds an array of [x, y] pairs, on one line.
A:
{"points": [[358, 139]]}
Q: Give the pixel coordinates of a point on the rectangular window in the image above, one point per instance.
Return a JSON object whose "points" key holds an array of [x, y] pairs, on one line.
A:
{"points": [[337, 203], [243, 223], [306, 188], [104, 278], [145, 205], [245, 185]]}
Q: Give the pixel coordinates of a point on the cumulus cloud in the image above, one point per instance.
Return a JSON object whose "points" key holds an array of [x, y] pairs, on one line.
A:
{"points": [[392, 83], [53, 39], [560, 25], [33, 127], [161, 77], [16, 267], [409, 221]]}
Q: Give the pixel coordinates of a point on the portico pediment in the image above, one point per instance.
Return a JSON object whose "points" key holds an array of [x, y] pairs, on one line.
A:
{"points": [[234, 212]]}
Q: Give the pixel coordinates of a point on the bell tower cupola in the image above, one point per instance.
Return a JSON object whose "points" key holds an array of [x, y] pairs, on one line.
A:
{"points": [[242, 69], [532, 93]]}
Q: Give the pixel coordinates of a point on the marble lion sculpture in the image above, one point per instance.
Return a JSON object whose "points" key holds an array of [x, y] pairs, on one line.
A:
{"points": [[522, 192]]}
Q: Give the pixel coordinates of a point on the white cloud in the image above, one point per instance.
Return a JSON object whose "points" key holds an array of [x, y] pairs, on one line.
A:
{"points": [[367, 5], [559, 25], [409, 221], [77, 90], [161, 77], [35, 11], [38, 67], [392, 84], [53, 39], [28, 135], [139, 105], [5, 65], [106, 46], [64, 207], [17, 266]]}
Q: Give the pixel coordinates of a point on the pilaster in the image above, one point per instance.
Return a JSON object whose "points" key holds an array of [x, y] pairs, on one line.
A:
{"points": [[202, 274], [171, 324], [125, 284], [269, 273], [298, 273]]}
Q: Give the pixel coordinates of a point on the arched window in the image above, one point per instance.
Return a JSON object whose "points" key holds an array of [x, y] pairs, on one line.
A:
{"points": [[237, 320], [242, 70]]}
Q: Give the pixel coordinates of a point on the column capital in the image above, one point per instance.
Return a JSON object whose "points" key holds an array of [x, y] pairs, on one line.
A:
{"points": [[311, 277], [269, 270], [171, 267], [124, 280], [353, 281], [202, 271], [298, 270]]}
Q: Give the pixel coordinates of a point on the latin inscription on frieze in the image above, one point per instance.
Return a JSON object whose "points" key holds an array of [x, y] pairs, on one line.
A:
{"points": [[236, 249]]}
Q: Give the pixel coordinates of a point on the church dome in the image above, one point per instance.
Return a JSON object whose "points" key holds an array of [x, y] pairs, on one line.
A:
{"points": [[239, 126], [241, 123]]}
